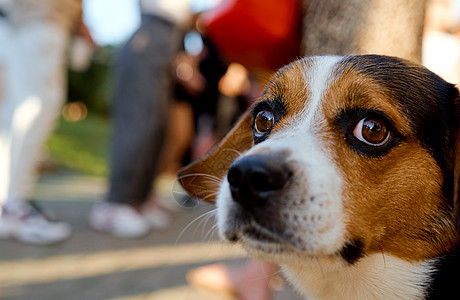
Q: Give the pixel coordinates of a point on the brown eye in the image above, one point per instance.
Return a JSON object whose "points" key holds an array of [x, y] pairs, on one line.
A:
{"points": [[264, 122], [372, 131]]}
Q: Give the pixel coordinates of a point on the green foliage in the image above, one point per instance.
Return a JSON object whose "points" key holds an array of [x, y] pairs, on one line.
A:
{"points": [[81, 145], [94, 86]]}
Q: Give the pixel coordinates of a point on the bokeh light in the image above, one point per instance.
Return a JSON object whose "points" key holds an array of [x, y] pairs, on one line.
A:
{"points": [[74, 111]]}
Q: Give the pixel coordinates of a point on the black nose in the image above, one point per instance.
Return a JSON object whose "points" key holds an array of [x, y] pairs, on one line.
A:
{"points": [[254, 178]]}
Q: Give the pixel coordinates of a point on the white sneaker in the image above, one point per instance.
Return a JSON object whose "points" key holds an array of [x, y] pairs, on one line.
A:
{"points": [[157, 217], [28, 224], [120, 220]]}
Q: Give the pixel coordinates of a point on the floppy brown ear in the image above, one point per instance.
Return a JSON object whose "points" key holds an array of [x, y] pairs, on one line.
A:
{"points": [[201, 178]]}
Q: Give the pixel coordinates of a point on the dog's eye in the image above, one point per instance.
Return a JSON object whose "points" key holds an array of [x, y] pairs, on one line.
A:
{"points": [[372, 131], [264, 122]]}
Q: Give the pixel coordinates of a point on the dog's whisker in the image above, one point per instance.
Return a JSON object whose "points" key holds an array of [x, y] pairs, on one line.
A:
{"points": [[210, 234], [211, 195], [209, 176], [210, 182], [205, 221], [192, 222], [209, 215]]}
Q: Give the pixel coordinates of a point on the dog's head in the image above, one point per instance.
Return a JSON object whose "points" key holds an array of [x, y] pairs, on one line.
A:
{"points": [[340, 157]]}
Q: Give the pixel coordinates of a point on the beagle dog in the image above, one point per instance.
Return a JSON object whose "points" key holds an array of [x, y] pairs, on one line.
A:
{"points": [[345, 173]]}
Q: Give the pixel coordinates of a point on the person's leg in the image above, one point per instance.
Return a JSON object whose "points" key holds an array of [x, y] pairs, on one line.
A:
{"points": [[39, 85], [140, 115], [140, 111], [6, 105], [33, 92]]}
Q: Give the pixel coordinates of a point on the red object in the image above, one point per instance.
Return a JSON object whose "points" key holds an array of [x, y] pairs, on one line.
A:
{"points": [[259, 34]]}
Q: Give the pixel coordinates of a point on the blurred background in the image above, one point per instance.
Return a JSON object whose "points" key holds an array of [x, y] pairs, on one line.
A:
{"points": [[213, 80], [85, 119]]}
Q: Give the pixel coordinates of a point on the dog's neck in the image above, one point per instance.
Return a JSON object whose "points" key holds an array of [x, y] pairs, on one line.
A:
{"points": [[377, 276]]}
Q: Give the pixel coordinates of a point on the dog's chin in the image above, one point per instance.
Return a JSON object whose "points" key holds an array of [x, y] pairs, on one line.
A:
{"points": [[264, 244], [257, 237]]}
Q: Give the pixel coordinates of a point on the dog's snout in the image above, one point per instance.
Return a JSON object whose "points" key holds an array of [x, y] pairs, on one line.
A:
{"points": [[253, 178]]}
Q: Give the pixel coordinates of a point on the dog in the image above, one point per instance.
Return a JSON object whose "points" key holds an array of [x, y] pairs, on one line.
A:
{"points": [[345, 172]]}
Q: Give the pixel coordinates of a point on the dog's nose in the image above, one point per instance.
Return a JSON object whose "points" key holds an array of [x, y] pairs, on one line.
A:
{"points": [[254, 178]]}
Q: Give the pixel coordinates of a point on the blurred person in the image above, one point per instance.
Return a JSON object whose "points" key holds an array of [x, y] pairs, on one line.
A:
{"points": [[34, 36], [197, 83], [141, 107]]}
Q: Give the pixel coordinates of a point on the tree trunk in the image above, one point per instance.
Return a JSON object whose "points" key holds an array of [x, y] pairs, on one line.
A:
{"points": [[364, 26]]}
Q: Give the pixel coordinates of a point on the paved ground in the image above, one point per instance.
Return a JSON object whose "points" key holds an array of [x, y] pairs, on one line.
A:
{"points": [[96, 266]]}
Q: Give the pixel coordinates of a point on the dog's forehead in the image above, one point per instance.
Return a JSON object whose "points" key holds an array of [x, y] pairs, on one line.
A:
{"points": [[303, 81], [300, 87]]}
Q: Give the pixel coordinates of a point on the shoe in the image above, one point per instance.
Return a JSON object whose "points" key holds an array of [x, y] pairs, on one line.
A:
{"points": [[119, 220], [27, 223], [157, 217]]}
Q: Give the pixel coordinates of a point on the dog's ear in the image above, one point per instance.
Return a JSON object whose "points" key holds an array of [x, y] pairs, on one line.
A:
{"points": [[201, 179]]}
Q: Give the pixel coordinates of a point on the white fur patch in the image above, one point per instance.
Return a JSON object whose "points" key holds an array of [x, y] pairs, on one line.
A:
{"points": [[376, 277], [317, 79]]}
